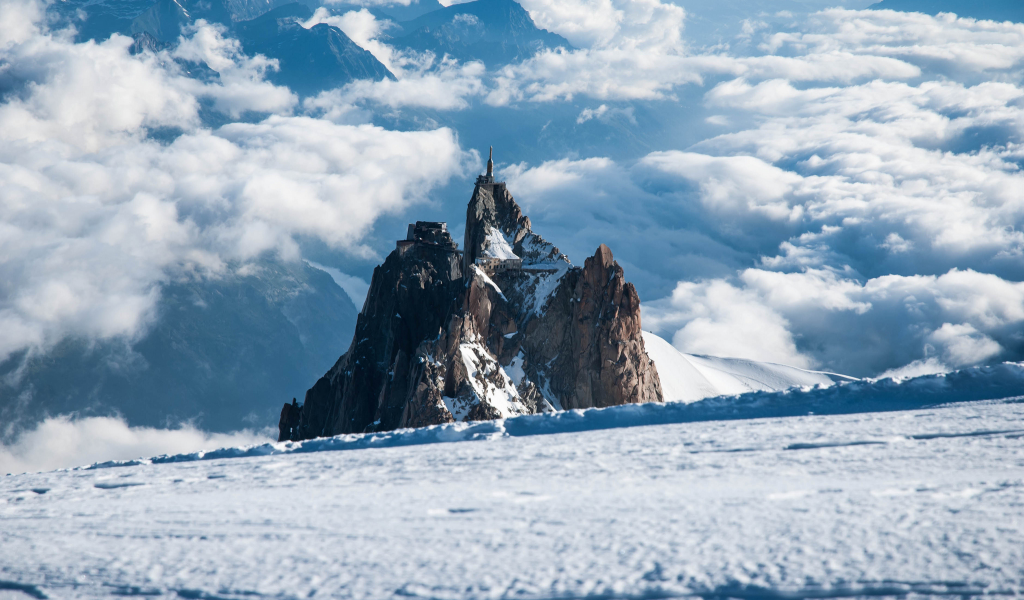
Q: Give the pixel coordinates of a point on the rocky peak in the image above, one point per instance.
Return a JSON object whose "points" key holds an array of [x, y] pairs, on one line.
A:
{"points": [[587, 346], [602, 258], [491, 213], [497, 227], [411, 297], [506, 327]]}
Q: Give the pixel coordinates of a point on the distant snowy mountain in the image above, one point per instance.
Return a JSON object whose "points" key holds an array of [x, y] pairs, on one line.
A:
{"points": [[322, 57], [993, 10], [690, 377], [224, 352], [96, 19], [99, 19], [393, 11], [311, 60], [495, 31]]}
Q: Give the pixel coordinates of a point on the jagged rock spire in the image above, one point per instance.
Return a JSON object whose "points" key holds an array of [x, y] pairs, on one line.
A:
{"points": [[438, 340], [490, 162]]}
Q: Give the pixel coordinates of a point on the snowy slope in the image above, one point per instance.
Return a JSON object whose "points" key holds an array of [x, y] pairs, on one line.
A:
{"points": [[497, 245], [923, 502], [491, 385], [690, 377], [996, 383]]}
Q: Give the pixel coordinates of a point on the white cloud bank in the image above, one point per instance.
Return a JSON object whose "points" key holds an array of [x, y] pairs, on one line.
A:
{"points": [[636, 50], [95, 214], [879, 212], [816, 318], [65, 442]]}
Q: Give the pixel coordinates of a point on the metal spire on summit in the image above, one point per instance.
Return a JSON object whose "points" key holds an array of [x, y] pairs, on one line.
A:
{"points": [[488, 179]]}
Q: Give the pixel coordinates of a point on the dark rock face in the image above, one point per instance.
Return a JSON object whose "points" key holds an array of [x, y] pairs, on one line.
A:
{"points": [[411, 297], [440, 339], [492, 211]]}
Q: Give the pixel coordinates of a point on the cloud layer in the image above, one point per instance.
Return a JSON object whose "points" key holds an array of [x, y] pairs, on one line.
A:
{"points": [[816, 318], [863, 220], [112, 185], [63, 442]]}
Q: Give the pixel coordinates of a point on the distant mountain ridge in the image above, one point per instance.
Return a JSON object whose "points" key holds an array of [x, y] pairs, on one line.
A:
{"points": [[223, 350], [992, 10], [322, 57], [392, 12], [497, 32], [310, 60], [689, 377]]}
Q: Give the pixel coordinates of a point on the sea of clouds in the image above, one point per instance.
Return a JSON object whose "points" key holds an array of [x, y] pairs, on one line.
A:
{"points": [[859, 208]]}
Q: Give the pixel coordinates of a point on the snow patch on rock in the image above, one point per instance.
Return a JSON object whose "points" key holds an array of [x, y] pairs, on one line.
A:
{"points": [[490, 382], [497, 245]]}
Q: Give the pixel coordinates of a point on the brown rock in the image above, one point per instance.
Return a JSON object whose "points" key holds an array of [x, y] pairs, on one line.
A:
{"points": [[438, 339], [590, 336]]}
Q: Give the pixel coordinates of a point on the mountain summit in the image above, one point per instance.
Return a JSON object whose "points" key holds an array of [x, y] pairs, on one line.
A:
{"points": [[507, 326], [497, 32]]}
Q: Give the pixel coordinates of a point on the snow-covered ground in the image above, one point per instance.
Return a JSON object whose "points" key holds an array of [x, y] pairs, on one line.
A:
{"points": [[691, 377], [631, 502]]}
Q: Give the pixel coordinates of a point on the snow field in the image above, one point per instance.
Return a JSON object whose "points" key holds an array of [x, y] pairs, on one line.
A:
{"points": [[927, 502], [689, 377]]}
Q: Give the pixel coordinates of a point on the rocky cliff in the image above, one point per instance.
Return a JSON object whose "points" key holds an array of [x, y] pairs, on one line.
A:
{"points": [[508, 326]]}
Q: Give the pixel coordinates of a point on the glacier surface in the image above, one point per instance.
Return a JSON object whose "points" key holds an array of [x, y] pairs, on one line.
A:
{"points": [[692, 377], [923, 498]]}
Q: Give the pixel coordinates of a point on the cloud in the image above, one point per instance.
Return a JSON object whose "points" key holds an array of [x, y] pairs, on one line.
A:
{"points": [[648, 25], [863, 223], [944, 44], [64, 442], [822, 319], [90, 237], [900, 167], [630, 50], [96, 212], [636, 50], [241, 87], [605, 114], [446, 86], [720, 319]]}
